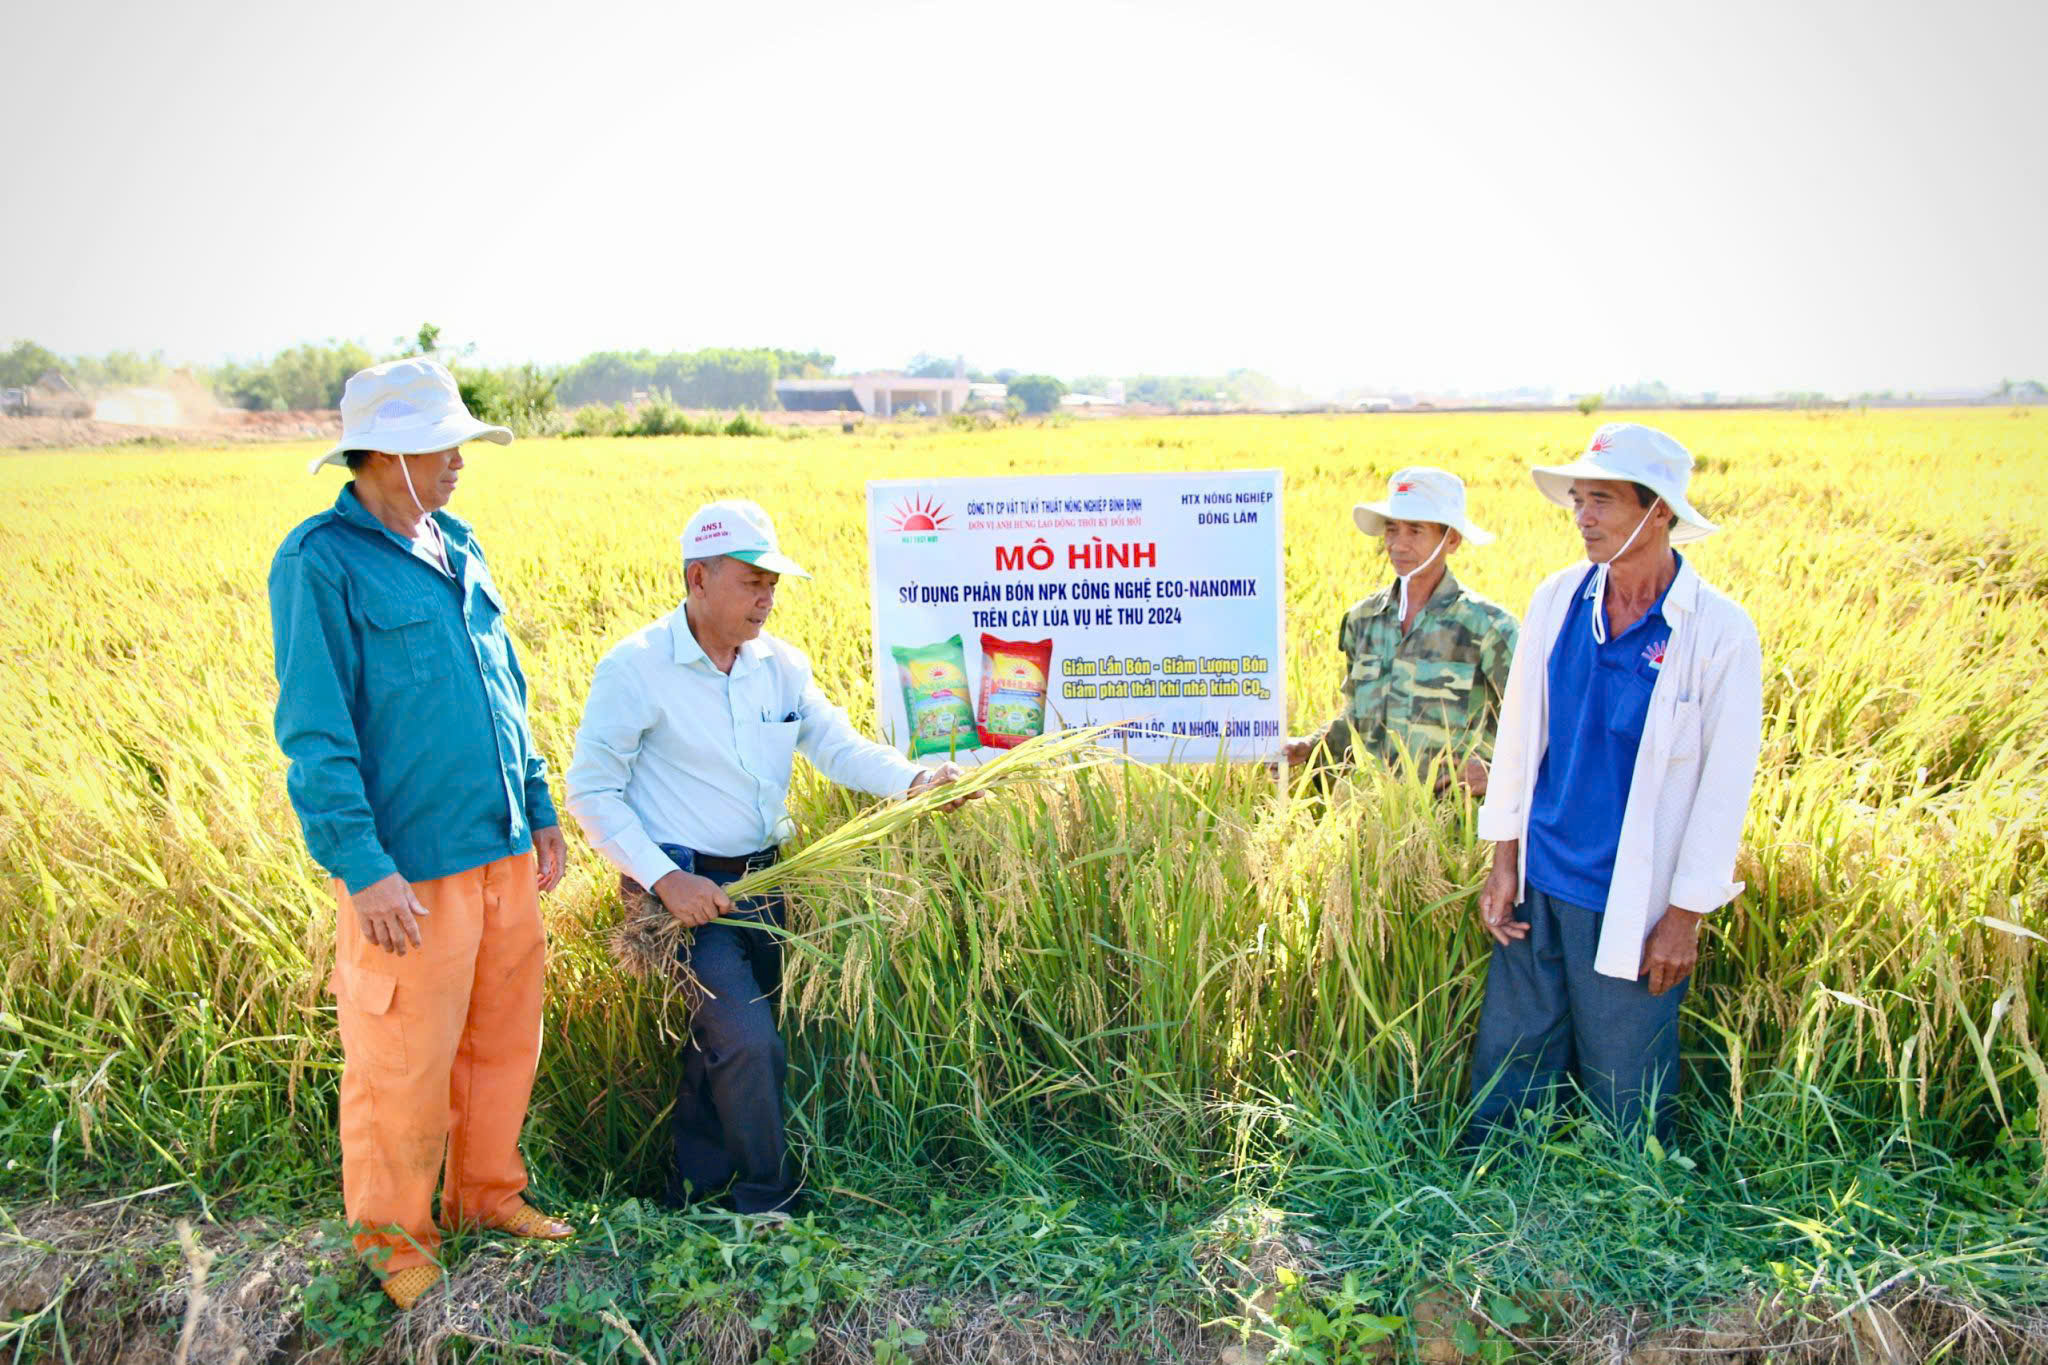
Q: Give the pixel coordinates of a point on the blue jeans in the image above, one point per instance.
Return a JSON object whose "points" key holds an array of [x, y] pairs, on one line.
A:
{"points": [[1548, 1016], [727, 1122]]}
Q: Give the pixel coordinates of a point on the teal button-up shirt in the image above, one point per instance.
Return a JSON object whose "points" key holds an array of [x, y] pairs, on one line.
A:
{"points": [[401, 706]]}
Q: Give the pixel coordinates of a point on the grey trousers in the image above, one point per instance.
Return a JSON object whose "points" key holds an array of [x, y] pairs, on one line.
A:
{"points": [[1548, 1016]]}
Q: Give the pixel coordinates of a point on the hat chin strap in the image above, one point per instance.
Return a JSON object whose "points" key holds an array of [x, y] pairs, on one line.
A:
{"points": [[1600, 576], [440, 545], [1443, 541]]}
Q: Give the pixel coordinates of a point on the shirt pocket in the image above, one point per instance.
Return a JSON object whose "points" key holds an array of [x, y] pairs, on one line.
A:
{"points": [[1443, 682], [1629, 706], [1365, 673], [488, 590], [403, 644], [776, 743], [1685, 732], [486, 622]]}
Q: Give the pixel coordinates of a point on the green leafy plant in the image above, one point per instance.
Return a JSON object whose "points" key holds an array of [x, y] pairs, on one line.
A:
{"points": [[588, 1320], [896, 1344], [350, 1321], [1324, 1327]]}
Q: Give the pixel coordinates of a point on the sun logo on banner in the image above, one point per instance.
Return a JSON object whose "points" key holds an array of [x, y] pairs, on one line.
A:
{"points": [[918, 513]]}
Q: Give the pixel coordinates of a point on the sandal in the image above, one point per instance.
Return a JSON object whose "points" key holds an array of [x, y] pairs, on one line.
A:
{"points": [[406, 1286], [521, 1219]]}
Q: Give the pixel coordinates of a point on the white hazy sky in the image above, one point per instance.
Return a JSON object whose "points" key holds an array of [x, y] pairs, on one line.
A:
{"points": [[1735, 195]]}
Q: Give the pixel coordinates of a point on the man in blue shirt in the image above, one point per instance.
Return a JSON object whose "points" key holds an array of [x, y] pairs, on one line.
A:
{"points": [[1627, 747], [402, 710], [1599, 698]]}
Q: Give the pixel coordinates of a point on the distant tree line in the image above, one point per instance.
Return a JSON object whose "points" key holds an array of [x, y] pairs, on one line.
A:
{"points": [[718, 377], [311, 375], [25, 362], [526, 397], [1248, 387], [304, 376], [1644, 393]]}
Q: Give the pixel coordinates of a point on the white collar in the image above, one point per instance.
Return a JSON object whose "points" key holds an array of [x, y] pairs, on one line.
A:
{"points": [[686, 650]]}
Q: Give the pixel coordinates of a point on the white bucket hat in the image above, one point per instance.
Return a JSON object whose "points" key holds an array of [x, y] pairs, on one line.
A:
{"points": [[1638, 454], [1421, 494], [405, 407], [741, 529]]}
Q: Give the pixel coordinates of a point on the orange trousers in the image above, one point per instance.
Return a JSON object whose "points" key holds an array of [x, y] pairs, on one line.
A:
{"points": [[439, 1049]]}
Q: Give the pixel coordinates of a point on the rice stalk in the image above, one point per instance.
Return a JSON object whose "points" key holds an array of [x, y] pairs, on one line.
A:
{"points": [[648, 939]]}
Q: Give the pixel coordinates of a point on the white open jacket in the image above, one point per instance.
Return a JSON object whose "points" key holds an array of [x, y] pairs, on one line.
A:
{"points": [[1694, 768]]}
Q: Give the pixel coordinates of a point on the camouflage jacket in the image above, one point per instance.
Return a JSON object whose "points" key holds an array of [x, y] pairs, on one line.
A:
{"points": [[1436, 689]]}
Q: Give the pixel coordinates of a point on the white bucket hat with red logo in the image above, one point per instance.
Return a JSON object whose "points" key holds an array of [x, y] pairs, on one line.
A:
{"points": [[1421, 494], [1637, 454], [405, 407], [741, 529]]}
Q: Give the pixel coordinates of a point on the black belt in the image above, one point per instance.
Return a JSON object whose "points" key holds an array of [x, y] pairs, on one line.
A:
{"points": [[712, 865]]}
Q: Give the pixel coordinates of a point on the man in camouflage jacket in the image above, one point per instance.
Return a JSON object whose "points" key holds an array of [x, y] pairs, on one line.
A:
{"points": [[1427, 660]]}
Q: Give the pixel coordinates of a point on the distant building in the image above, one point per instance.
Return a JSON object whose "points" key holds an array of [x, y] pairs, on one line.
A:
{"points": [[53, 396], [877, 395]]}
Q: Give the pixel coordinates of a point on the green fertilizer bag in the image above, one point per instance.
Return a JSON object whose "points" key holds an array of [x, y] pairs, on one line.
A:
{"points": [[935, 697]]}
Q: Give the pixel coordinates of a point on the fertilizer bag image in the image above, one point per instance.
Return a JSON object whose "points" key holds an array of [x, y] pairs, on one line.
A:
{"points": [[935, 696], [1013, 683]]}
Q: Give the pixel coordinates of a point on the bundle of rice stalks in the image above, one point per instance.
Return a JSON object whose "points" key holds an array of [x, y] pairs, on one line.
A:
{"points": [[647, 938]]}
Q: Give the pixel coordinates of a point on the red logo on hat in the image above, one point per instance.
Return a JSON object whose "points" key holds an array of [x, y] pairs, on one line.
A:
{"points": [[1599, 443], [1405, 486], [919, 513]]}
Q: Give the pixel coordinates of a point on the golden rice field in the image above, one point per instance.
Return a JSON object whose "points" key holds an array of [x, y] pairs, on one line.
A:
{"points": [[1142, 971]]}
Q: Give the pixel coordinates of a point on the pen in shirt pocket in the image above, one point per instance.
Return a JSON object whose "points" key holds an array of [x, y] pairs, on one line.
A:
{"points": [[785, 720]]}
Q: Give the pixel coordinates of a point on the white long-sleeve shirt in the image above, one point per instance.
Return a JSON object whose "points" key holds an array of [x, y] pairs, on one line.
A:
{"points": [[672, 751], [1687, 801]]}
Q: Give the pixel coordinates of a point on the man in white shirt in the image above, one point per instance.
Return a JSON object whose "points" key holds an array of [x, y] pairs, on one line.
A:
{"points": [[1621, 777], [681, 778]]}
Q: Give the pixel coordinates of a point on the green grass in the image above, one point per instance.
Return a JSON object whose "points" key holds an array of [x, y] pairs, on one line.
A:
{"points": [[1550, 1233]]}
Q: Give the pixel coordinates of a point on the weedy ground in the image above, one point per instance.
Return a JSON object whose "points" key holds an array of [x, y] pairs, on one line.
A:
{"points": [[1131, 1066]]}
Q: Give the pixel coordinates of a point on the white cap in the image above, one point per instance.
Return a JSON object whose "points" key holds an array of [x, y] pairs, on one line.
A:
{"points": [[1421, 494], [741, 529], [1637, 454], [405, 407]]}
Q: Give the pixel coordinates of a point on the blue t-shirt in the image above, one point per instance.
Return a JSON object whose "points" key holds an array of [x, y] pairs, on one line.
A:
{"points": [[1599, 697]]}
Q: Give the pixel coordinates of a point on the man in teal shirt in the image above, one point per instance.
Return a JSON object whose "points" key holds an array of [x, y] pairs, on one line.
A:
{"points": [[402, 709]]}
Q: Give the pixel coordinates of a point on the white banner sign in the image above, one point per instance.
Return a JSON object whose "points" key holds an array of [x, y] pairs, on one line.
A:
{"points": [[1008, 607]]}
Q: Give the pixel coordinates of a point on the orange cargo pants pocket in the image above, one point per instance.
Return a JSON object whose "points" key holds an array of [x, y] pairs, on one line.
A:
{"points": [[370, 1029]]}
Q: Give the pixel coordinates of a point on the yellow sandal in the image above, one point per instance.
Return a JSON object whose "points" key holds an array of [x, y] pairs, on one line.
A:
{"points": [[406, 1286], [521, 1219]]}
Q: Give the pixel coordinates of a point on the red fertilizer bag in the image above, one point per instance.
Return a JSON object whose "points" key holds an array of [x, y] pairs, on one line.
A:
{"points": [[1014, 676]]}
